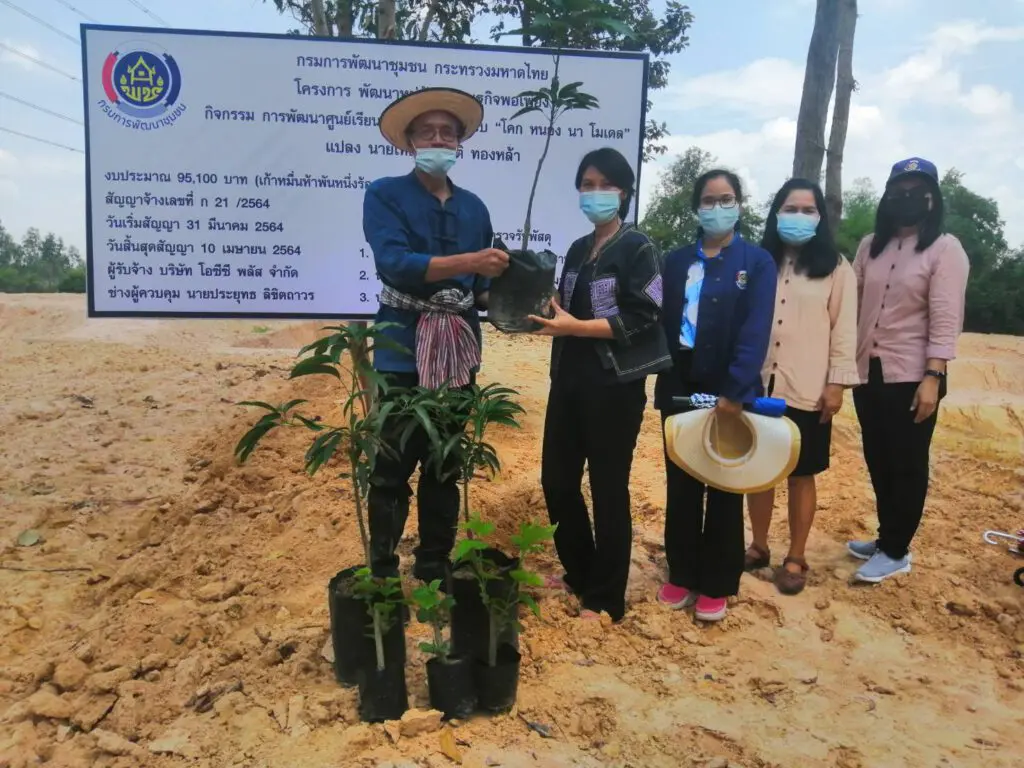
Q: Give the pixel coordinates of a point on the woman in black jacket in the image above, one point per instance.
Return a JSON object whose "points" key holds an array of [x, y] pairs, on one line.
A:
{"points": [[608, 339]]}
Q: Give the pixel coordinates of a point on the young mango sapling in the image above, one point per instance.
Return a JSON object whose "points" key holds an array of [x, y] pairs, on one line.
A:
{"points": [[449, 677], [498, 677], [475, 410], [478, 408], [525, 288], [359, 438], [382, 691]]}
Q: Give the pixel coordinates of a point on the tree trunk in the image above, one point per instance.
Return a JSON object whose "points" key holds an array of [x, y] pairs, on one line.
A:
{"points": [[386, 19], [845, 85], [526, 19], [427, 21], [320, 28], [343, 18], [819, 78]]}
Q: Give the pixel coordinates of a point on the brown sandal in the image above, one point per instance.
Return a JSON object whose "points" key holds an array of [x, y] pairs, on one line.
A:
{"points": [[789, 583], [756, 558]]}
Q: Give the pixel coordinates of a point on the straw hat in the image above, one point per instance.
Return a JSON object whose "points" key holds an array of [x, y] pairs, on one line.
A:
{"points": [[747, 453], [395, 118]]}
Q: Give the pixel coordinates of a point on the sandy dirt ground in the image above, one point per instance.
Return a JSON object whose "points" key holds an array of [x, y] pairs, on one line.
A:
{"points": [[174, 613]]}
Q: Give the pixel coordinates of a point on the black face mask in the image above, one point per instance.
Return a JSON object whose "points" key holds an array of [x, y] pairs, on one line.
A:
{"points": [[907, 208]]}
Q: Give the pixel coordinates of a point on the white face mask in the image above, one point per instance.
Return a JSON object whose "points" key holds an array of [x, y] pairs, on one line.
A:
{"points": [[435, 161]]}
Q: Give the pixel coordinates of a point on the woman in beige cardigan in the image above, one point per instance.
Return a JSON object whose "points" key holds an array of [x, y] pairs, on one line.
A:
{"points": [[811, 360]]}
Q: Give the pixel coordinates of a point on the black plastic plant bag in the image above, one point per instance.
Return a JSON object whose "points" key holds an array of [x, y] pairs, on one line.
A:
{"points": [[524, 289]]}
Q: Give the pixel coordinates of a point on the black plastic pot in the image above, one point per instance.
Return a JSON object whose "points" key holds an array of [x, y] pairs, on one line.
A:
{"points": [[497, 686], [382, 692], [352, 631], [349, 622], [524, 288], [471, 624], [452, 687]]}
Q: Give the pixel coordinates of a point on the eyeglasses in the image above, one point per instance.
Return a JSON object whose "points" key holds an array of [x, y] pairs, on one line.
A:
{"points": [[428, 132], [726, 201]]}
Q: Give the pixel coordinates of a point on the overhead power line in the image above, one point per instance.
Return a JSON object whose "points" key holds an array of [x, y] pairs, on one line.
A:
{"points": [[30, 105], [148, 12], [37, 20], [70, 7], [40, 62], [40, 140]]}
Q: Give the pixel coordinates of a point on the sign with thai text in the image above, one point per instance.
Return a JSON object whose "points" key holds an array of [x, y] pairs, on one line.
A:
{"points": [[225, 172]]}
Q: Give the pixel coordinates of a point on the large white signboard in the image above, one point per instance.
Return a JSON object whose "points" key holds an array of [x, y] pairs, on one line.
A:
{"points": [[225, 172]]}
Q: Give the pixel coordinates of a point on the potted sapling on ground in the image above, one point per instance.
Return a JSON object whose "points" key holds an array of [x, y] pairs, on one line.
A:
{"points": [[382, 691], [497, 676], [359, 439], [526, 286], [450, 681], [475, 410]]}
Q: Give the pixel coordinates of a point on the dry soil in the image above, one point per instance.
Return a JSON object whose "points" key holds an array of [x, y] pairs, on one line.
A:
{"points": [[174, 612]]}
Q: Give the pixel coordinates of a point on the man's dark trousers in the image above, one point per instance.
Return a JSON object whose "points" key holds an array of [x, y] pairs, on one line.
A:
{"points": [[437, 499]]}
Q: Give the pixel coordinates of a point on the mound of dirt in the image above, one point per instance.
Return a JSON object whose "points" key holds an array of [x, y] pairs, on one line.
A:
{"points": [[174, 611]]}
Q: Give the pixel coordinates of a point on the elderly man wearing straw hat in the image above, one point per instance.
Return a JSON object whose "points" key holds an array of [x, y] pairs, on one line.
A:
{"points": [[431, 243]]}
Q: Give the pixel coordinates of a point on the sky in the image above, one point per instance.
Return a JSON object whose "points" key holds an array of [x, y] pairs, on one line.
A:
{"points": [[937, 78]]}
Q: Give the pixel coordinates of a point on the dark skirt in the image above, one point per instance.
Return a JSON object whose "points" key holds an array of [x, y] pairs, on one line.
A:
{"points": [[815, 442]]}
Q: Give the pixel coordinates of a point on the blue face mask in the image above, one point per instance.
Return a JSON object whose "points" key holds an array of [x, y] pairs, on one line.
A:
{"points": [[435, 161], [600, 207], [718, 220], [797, 228]]}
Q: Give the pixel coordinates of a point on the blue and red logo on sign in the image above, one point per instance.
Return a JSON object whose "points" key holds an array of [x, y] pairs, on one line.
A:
{"points": [[143, 85]]}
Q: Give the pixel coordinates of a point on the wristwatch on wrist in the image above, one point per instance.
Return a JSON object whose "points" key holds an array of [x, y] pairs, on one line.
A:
{"points": [[937, 374]]}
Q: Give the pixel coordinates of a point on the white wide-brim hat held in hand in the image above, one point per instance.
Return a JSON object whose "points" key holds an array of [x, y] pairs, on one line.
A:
{"points": [[747, 453]]}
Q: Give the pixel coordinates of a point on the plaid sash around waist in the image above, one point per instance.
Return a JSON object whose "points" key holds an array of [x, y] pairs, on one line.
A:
{"points": [[446, 348]]}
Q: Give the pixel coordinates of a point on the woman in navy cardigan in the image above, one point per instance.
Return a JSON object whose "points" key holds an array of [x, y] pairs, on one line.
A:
{"points": [[719, 301]]}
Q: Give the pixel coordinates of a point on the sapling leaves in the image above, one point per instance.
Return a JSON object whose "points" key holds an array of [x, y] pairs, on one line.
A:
{"points": [[315, 364], [322, 449], [382, 596], [500, 607], [530, 603], [434, 608], [526, 578], [464, 547], [479, 527], [532, 537], [555, 25], [359, 435], [526, 110]]}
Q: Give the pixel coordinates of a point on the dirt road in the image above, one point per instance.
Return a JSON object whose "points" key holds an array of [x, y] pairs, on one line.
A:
{"points": [[174, 613]]}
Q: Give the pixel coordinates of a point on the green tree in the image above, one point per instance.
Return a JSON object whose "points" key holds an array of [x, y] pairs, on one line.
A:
{"points": [[669, 220], [424, 20], [975, 221], [73, 281], [642, 29], [859, 206], [995, 299], [10, 251], [39, 264]]}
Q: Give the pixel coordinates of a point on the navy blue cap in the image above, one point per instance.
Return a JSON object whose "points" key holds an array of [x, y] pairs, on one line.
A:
{"points": [[914, 165]]}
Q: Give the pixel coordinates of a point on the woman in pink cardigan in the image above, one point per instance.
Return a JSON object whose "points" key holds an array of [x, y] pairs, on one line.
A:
{"points": [[911, 281], [811, 360]]}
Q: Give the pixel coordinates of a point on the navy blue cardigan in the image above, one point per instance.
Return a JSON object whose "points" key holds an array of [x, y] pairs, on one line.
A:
{"points": [[734, 321]]}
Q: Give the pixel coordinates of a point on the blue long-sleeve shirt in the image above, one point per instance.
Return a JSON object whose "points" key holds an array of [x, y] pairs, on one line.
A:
{"points": [[734, 320], [405, 226]]}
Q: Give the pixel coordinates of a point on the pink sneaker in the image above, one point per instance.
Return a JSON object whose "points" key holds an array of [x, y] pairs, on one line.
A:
{"points": [[676, 597], [711, 608]]}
